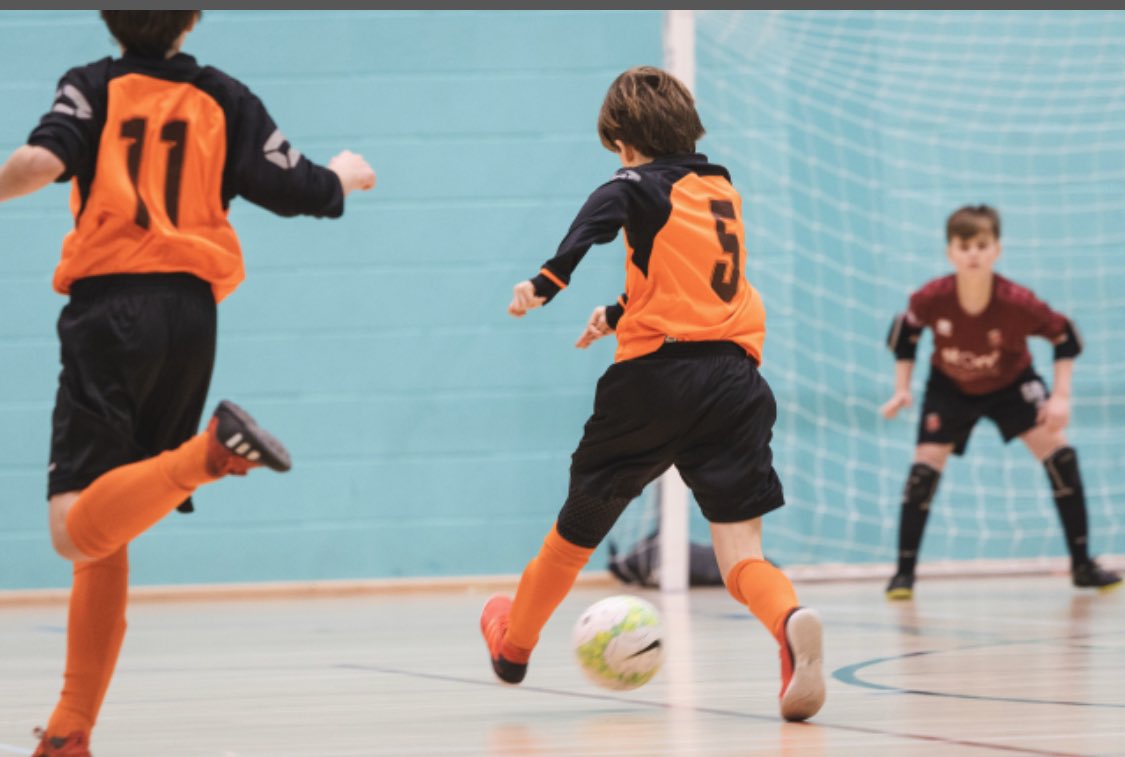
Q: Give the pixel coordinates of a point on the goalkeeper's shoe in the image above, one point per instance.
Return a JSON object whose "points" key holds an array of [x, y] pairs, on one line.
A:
{"points": [[1090, 575], [901, 586]]}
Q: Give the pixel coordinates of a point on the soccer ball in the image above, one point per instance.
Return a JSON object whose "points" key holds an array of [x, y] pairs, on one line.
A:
{"points": [[618, 642]]}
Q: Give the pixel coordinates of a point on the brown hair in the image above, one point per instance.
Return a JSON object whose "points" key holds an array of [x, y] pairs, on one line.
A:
{"points": [[148, 33], [650, 110], [967, 222]]}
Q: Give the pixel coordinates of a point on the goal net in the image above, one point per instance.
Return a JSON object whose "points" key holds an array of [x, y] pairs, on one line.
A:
{"points": [[851, 136]]}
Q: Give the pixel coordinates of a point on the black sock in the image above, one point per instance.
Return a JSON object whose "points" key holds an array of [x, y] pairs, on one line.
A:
{"points": [[1070, 499], [921, 485]]}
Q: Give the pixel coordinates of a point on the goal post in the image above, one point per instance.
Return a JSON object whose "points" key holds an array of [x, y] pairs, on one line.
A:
{"points": [[672, 494]]}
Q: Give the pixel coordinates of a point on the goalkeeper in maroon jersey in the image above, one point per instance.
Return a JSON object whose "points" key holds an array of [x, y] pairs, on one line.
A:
{"points": [[981, 366]]}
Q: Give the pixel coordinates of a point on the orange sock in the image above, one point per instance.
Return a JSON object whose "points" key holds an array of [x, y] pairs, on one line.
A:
{"points": [[125, 502], [765, 590], [544, 584], [94, 632]]}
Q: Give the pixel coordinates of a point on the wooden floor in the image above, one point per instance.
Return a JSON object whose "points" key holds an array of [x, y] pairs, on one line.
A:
{"points": [[970, 667]]}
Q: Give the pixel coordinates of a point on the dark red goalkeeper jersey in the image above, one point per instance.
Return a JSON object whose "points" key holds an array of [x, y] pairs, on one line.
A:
{"points": [[987, 351]]}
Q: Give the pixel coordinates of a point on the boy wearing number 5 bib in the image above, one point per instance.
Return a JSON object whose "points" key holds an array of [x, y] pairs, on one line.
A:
{"points": [[156, 147], [684, 389]]}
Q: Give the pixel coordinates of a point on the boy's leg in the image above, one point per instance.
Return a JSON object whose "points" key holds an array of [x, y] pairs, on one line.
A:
{"points": [[944, 425], [921, 485], [511, 627], [95, 631], [97, 523], [1016, 413], [1060, 461], [770, 596], [727, 463], [126, 501], [624, 447]]}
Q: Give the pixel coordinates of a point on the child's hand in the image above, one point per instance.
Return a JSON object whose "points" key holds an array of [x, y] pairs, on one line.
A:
{"points": [[1054, 413], [897, 402], [353, 170], [524, 299], [596, 328]]}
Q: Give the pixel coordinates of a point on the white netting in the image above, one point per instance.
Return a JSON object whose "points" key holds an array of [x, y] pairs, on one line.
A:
{"points": [[852, 135]]}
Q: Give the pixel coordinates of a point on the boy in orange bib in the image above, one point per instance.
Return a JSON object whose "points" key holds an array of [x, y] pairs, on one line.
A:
{"points": [[685, 387], [156, 146]]}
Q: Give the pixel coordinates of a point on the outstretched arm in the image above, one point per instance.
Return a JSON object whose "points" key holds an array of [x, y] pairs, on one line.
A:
{"points": [[597, 222], [269, 171], [27, 170]]}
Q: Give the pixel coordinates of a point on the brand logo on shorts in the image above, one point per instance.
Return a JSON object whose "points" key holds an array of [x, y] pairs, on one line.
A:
{"points": [[1034, 393], [933, 423], [944, 327], [995, 338]]}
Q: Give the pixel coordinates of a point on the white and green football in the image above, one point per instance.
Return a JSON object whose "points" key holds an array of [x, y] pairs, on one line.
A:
{"points": [[619, 642]]}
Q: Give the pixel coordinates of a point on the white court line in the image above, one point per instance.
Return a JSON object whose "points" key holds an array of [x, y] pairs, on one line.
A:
{"points": [[14, 750]]}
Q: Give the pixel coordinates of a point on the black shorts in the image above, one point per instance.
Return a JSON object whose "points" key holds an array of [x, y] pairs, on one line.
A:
{"points": [[701, 406], [948, 414], [137, 355]]}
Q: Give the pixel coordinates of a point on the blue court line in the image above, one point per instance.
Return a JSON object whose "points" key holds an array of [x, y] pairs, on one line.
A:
{"points": [[709, 711], [848, 675]]}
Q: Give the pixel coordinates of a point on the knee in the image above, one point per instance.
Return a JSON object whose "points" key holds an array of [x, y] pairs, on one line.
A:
{"points": [[1062, 470], [60, 540], [932, 455], [584, 520], [921, 485], [60, 534]]}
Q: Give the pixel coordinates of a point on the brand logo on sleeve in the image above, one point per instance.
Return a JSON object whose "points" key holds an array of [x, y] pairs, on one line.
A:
{"points": [[70, 101], [279, 152]]}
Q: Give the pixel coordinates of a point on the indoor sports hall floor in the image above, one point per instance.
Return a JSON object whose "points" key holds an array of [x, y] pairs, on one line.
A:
{"points": [[1016, 666]]}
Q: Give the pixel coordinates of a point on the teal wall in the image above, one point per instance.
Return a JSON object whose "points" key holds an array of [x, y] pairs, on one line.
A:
{"points": [[853, 135], [430, 431]]}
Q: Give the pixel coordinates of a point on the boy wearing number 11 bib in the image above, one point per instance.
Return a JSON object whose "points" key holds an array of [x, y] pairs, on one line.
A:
{"points": [[684, 389], [156, 147]]}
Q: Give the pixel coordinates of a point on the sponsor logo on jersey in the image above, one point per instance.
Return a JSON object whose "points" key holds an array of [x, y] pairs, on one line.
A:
{"points": [[970, 361], [995, 338], [944, 327], [627, 174]]}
